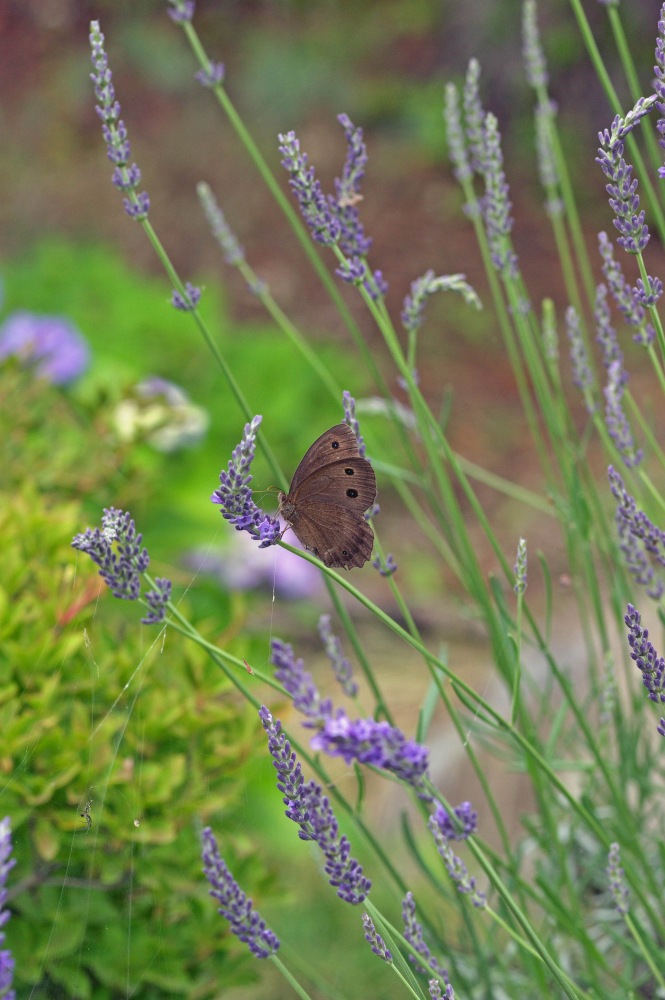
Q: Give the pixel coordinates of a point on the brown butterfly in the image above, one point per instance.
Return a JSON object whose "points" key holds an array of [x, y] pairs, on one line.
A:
{"points": [[330, 491]]}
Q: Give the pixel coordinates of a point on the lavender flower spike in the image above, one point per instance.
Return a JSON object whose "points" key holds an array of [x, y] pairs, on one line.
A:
{"points": [[659, 83], [645, 655], [616, 420], [116, 548], [299, 683], [582, 374], [126, 176], [6, 864], [307, 806], [618, 886], [455, 135], [496, 204], [414, 304], [455, 867], [234, 495], [245, 922], [314, 206], [641, 542], [233, 252], [520, 567], [341, 667], [349, 404], [413, 933], [622, 189], [627, 298], [532, 50], [374, 939]]}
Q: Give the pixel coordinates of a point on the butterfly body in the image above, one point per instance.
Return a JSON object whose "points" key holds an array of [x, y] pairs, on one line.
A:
{"points": [[330, 491]]}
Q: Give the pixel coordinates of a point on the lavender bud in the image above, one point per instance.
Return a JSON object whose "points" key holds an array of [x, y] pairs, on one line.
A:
{"points": [[342, 668], [641, 542], [626, 298], [413, 933], [618, 886], [212, 76], [350, 418], [455, 134], [615, 417], [534, 57], [520, 567], [6, 865], [299, 683], [189, 301], [374, 939], [233, 252], [582, 374]]}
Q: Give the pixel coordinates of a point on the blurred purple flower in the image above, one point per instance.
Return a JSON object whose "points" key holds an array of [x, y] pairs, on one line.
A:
{"points": [[641, 542], [455, 867], [6, 864], [52, 344], [181, 10], [235, 906], [241, 565], [341, 666], [291, 673], [466, 821], [189, 301], [375, 743], [618, 886]]}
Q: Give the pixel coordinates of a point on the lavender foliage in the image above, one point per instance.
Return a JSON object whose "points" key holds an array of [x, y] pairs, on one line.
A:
{"points": [[234, 495], [6, 865], [235, 906], [51, 344], [642, 544], [341, 666], [307, 806], [116, 548], [126, 175], [374, 939], [413, 933], [291, 673]]}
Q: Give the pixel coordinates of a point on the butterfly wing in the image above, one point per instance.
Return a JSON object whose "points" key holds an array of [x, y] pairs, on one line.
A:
{"points": [[337, 443], [340, 537]]}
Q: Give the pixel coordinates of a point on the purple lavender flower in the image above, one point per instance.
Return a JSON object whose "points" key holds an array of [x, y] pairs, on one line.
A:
{"points": [[189, 301], [455, 867], [212, 76], [233, 252], [299, 683], [520, 567], [349, 404], [334, 219], [52, 344], [582, 374], [532, 50], [616, 420], [181, 10], [121, 567], [659, 83], [622, 189], [465, 823], [435, 991], [6, 865], [375, 743], [126, 176], [413, 933], [414, 304], [455, 135], [496, 204], [374, 939], [245, 922], [618, 886], [235, 496], [342, 668], [626, 297], [648, 295], [605, 333], [645, 655], [307, 806], [641, 542], [474, 116], [314, 206], [385, 567]]}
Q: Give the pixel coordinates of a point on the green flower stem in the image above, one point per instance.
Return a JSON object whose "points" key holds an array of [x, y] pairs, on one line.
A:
{"points": [[646, 951], [291, 980], [653, 314]]}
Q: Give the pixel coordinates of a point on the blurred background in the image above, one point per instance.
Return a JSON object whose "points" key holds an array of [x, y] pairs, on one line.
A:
{"points": [[68, 250]]}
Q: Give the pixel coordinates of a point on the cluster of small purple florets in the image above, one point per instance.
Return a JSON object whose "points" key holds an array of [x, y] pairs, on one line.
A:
{"points": [[126, 176], [307, 806], [647, 659], [334, 219], [245, 922], [234, 495], [116, 548], [6, 864], [641, 542]]}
